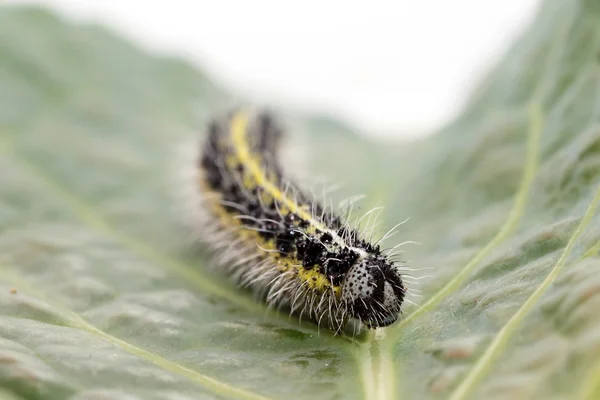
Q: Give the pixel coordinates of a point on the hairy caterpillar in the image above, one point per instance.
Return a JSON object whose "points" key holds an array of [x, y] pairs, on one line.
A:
{"points": [[273, 238]]}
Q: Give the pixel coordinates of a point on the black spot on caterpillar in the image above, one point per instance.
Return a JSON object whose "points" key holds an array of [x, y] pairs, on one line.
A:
{"points": [[270, 236]]}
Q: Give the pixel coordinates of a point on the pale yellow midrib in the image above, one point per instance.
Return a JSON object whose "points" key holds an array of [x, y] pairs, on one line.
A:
{"points": [[529, 172]]}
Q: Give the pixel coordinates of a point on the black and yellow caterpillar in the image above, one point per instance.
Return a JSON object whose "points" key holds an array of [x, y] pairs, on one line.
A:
{"points": [[270, 236]]}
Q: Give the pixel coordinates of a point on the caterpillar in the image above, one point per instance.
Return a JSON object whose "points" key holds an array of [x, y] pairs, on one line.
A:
{"points": [[270, 236]]}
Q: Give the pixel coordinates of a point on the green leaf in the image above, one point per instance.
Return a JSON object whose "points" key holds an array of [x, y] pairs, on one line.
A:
{"points": [[102, 297]]}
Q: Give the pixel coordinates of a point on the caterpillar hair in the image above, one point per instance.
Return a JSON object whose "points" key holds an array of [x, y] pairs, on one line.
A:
{"points": [[271, 237]]}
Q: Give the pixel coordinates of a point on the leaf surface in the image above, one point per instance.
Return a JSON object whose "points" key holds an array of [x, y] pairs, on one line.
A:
{"points": [[101, 297]]}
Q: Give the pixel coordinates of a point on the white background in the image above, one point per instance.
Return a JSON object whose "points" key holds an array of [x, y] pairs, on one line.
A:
{"points": [[392, 67]]}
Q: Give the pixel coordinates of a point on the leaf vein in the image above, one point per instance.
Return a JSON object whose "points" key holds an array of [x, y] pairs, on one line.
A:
{"points": [[97, 223], [78, 322], [531, 165], [502, 338]]}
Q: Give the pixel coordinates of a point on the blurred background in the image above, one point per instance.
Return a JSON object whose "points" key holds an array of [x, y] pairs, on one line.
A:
{"points": [[389, 68]]}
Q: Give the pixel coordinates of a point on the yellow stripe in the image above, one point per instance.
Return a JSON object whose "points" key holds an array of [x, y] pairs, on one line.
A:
{"points": [[239, 128], [313, 277], [258, 177]]}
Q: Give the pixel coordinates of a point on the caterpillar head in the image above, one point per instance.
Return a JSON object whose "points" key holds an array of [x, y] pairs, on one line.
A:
{"points": [[373, 291]]}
